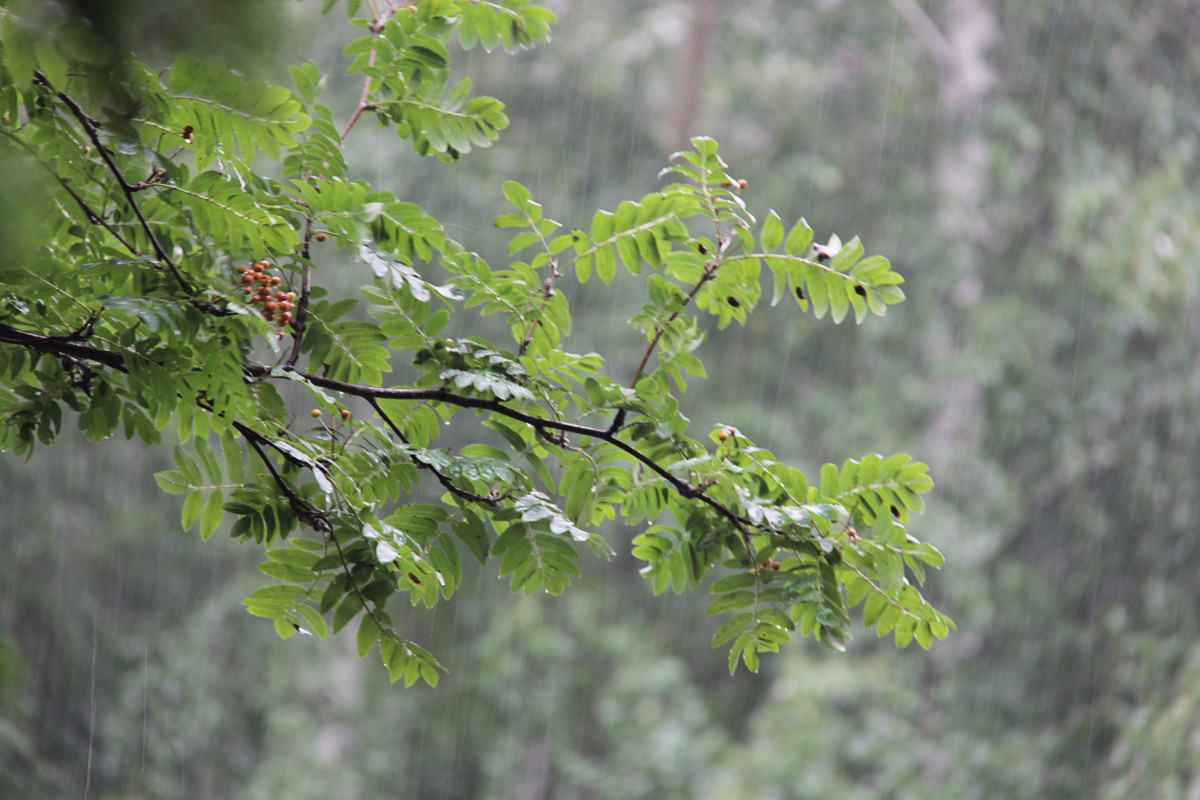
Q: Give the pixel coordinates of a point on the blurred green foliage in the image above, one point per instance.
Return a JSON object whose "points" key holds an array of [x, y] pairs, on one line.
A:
{"points": [[1046, 354]]}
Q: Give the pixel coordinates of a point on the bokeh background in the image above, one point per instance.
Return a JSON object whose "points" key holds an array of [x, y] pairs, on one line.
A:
{"points": [[1031, 168]]}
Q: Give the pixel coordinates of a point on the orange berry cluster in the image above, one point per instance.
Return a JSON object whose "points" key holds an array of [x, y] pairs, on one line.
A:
{"points": [[262, 290], [770, 564], [344, 414]]}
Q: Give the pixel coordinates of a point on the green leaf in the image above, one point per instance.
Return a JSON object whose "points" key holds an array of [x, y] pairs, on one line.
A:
{"points": [[731, 602], [368, 635], [731, 628], [798, 239], [210, 519], [193, 506], [739, 580], [313, 618], [171, 482], [772, 232], [347, 610]]}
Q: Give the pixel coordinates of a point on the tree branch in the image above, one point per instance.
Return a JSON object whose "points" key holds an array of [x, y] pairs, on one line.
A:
{"points": [[303, 510], [92, 217], [442, 478], [372, 394], [540, 424], [61, 346], [90, 127]]}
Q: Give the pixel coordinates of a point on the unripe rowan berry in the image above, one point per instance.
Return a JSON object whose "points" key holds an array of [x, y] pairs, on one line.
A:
{"points": [[346, 414], [316, 413]]}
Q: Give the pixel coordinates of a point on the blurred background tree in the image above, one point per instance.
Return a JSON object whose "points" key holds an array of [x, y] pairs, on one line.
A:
{"points": [[1030, 169]]}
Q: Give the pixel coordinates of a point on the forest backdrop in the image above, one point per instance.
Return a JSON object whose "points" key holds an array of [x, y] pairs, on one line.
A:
{"points": [[1029, 168]]}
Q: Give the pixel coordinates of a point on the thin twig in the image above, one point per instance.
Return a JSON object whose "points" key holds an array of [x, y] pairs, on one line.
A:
{"points": [[363, 105], [710, 272], [90, 127], [303, 510], [92, 217], [442, 478]]}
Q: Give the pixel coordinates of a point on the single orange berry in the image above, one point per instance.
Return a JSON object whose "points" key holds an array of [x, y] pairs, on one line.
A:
{"points": [[316, 412], [242, 268], [285, 318], [270, 305], [723, 435], [320, 237], [346, 414]]}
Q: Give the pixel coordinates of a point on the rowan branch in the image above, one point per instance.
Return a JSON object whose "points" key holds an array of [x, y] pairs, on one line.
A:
{"points": [[91, 126], [442, 478], [539, 424]]}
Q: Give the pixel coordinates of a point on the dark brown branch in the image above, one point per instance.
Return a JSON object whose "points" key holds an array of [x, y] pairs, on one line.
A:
{"points": [[300, 320], [91, 126], [442, 478], [61, 346], [539, 424], [303, 510], [543, 425]]}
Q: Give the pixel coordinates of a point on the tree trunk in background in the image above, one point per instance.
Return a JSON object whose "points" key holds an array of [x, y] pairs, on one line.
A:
{"points": [[962, 179], [689, 74]]}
